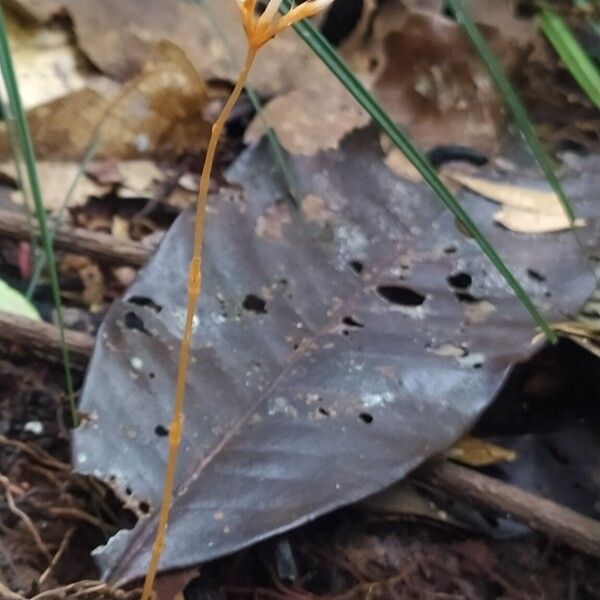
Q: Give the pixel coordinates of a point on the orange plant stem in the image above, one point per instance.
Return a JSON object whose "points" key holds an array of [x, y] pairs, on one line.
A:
{"points": [[194, 289]]}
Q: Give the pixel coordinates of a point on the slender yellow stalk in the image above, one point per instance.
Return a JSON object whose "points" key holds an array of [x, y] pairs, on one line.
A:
{"points": [[259, 30], [194, 289]]}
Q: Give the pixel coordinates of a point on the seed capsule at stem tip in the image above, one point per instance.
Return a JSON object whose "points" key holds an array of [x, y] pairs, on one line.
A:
{"points": [[260, 29]]}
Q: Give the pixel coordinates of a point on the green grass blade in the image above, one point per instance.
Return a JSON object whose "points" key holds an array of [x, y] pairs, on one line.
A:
{"points": [[330, 57], [15, 148], [24, 138], [580, 66], [512, 101]]}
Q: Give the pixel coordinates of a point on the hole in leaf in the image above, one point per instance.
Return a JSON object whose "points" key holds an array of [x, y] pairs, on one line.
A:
{"points": [[151, 375], [161, 431], [254, 304], [466, 298], [128, 491], [324, 412], [357, 266], [400, 295], [144, 301], [536, 275], [132, 321], [341, 20], [366, 417], [351, 322], [450, 250], [144, 507], [460, 280]]}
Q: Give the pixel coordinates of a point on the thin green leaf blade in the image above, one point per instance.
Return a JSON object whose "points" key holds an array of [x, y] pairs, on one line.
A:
{"points": [[330, 57], [512, 101], [572, 54], [24, 138]]}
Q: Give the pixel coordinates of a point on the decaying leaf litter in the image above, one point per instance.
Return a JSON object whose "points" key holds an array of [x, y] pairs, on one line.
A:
{"points": [[354, 264]]}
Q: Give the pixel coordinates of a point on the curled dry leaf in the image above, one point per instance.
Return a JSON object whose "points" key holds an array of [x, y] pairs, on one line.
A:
{"points": [[404, 498], [523, 221], [524, 209], [513, 196]]}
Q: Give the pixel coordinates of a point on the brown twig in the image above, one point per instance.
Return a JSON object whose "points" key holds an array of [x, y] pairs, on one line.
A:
{"points": [[36, 453], [44, 337], [553, 520], [7, 594], [82, 589], [59, 553], [100, 246], [25, 519]]}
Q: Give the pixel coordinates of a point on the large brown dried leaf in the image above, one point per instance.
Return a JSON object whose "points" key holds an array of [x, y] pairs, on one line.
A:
{"points": [[159, 112], [292, 115], [116, 36], [423, 71], [320, 369], [431, 81]]}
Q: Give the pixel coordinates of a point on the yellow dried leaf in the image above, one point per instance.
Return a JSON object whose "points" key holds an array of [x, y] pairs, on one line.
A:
{"points": [[475, 452]]}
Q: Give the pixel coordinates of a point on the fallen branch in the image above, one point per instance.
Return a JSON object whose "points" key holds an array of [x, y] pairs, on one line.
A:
{"points": [[553, 520], [45, 338], [101, 246]]}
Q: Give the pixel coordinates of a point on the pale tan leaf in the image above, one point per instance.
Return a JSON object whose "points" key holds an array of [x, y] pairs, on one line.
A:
{"points": [[47, 62], [524, 221], [514, 196], [398, 163], [55, 179], [138, 177]]}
